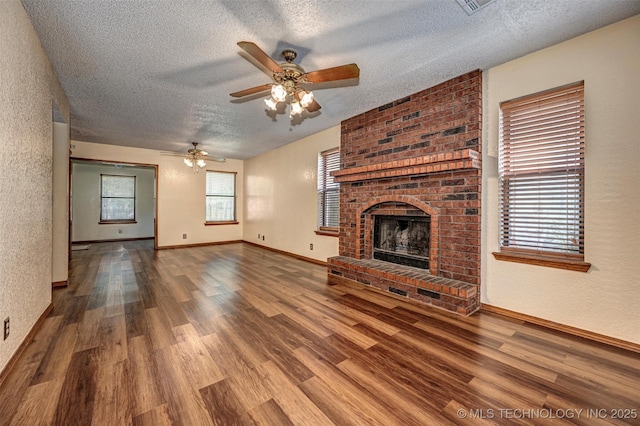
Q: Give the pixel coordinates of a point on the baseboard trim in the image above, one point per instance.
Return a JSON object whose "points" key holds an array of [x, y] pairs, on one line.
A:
{"points": [[112, 240], [596, 337], [216, 243], [59, 284], [14, 358], [297, 256]]}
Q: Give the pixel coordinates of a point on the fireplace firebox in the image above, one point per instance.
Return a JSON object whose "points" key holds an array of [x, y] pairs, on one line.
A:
{"points": [[402, 239]]}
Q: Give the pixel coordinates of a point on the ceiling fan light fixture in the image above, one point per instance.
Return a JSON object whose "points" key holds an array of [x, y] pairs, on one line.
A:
{"points": [[305, 98], [296, 108], [279, 93], [271, 104], [195, 158]]}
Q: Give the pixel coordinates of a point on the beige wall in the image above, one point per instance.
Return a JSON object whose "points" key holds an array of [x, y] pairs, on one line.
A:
{"points": [[281, 201], [28, 87], [86, 201], [606, 299], [181, 193]]}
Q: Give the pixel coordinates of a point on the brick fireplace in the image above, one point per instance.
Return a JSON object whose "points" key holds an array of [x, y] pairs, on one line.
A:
{"points": [[414, 165]]}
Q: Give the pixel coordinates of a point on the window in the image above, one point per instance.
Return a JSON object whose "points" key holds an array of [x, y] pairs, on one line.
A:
{"points": [[328, 191], [117, 199], [542, 174], [221, 197]]}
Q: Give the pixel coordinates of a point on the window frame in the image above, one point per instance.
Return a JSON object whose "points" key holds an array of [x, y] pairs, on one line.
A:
{"points": [[234, 196], [327, 162], [541, 160], [103, 221]]}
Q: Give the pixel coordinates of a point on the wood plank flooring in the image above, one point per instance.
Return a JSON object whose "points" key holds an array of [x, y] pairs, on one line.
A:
{"points": [[238, 335]]}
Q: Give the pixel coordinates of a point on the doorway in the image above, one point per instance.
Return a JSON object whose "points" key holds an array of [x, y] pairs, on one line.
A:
{"points": [[112, 201]]}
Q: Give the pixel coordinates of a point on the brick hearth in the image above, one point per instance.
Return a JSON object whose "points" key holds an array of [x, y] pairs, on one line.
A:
{"points": [[414, 283], [417, 156]]}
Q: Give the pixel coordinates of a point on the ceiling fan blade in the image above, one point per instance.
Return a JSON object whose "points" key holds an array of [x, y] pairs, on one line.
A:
{"points": [[251, 91], [182, 155], [342, 72], [313, 106], [259, 55], [218, 159]]}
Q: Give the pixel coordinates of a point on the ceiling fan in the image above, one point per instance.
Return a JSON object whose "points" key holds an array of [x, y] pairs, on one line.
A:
{"points": [[289, 80], [195, 157]]}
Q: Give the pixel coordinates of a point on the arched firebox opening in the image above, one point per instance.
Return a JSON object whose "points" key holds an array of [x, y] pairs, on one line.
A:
{"points": [[401, 230]]}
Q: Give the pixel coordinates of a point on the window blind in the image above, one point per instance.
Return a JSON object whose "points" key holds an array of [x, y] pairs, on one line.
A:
{"points": [[328, 190], [220, 197], [117, 198], [542, 172]]}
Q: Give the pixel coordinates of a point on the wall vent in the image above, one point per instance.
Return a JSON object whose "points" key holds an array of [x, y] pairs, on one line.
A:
{"points": [[472, 6]]}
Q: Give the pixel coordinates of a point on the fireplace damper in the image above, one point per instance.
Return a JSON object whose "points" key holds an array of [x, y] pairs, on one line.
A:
{"points": [[402, 239]]}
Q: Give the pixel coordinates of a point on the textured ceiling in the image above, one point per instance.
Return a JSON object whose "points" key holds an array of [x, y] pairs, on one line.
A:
{"points": [[157, 73]]}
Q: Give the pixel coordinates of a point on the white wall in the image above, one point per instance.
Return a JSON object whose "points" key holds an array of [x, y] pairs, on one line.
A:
{"points": [[181, 193], [605, 300], [27, 88], [281, 197], [86, 201]]}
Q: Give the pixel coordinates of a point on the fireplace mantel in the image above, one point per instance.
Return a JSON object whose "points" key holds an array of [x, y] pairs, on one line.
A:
{"points": [[455, 160]]}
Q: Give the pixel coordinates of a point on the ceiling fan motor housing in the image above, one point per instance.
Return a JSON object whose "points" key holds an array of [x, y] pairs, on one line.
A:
{"points": [[290, 77]]}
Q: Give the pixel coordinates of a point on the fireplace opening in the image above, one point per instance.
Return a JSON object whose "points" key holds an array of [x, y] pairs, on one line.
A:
{"points": [[402, 239]]}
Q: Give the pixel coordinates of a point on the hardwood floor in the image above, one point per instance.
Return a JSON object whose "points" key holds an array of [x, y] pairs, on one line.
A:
{"points": [[237, 335]]}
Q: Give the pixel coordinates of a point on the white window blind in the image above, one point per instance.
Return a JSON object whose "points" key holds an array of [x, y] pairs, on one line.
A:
{"points": [[542, 173], [117, 198], [221, 197], [328, 190]]}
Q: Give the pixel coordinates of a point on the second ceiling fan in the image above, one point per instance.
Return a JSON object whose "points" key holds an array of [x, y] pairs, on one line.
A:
{"points": [[289, 80]]}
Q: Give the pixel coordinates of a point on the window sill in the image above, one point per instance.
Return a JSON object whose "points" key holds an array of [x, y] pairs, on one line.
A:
{"points": [[227, 222], [116, 222], [327, 233], [571, 265]]}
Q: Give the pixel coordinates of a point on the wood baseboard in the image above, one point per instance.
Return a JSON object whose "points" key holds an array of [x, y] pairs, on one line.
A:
{"points": [[115, 240], [596, 337], [297, 256], [25, 342], [59, 284], [217, 243]]}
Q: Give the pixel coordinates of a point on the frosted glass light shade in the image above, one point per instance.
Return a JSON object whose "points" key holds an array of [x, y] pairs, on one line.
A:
{"points": [[271, 104], [306, 99], [279, 93], [296, 108]]}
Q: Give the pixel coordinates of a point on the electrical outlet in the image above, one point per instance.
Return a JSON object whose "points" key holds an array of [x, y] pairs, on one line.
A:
{"points": [[6, 328], [263, 238], [311, 246], [258, 236], [184, 236]]}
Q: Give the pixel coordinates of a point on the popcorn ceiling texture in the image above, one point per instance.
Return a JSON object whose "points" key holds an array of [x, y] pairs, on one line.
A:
{"points": [[26, 90], [156, 74]]}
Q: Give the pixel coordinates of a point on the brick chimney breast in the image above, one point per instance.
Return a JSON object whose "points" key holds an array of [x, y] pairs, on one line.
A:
{"points": [[418, 156]]}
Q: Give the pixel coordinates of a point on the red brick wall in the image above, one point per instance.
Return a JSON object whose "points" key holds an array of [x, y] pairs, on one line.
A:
{"points": [[444, 119]]}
